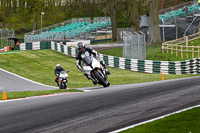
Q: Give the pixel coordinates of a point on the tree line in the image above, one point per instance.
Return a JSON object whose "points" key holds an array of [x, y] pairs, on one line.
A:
{"points": [[134, 10], [25, 15]]}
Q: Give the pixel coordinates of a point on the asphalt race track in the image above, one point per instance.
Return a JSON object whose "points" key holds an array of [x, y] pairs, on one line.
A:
{"points": [[99, 110], [10, 82]]}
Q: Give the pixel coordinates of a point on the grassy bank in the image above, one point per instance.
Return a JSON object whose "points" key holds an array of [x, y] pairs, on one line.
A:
{"points": [[185, 122], [152, 53], [39, 66], [14, 95]]}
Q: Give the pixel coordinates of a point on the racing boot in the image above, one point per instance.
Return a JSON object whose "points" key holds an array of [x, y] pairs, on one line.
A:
{"points": [[86, 76], [56, 80], [103, 64], [108, 72]]}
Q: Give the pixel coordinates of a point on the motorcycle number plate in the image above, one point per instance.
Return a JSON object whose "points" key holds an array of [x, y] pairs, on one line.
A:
{"points": [[64, 80]]}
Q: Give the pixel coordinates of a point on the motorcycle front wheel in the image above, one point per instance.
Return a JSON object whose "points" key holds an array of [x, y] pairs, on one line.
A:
{"points": [[64, 85], [60, 86], [100, 79]]}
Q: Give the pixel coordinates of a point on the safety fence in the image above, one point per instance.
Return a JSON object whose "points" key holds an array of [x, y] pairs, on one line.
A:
{"points": [[34, 46], [134, 45], [147, 66]]}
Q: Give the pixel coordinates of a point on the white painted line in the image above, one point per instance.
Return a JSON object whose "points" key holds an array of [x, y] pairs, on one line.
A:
{"points": [[32, 80], [87, 90], [161, 117], [27, 79], [4, 101]]}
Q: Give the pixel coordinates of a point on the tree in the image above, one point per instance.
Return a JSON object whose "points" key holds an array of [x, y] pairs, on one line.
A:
{"points": [[113, 16], [25, 15], [154, 28], [135, 15]]}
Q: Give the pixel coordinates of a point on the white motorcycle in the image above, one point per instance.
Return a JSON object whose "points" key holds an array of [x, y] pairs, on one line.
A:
{"points": [[63, 79], [94, 70]]}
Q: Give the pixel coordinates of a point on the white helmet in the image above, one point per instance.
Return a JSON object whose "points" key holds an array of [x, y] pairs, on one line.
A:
{"points": [[57, 65]]}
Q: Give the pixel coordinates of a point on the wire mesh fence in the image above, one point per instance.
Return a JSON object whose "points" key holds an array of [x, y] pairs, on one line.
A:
{"points": [[81, 20], [5, 34], [101, 19], [120, 33], [134, 45]]}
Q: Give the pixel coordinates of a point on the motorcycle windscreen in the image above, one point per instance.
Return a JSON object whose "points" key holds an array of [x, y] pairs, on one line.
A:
{"points": [[62, 72], [87, 60]]}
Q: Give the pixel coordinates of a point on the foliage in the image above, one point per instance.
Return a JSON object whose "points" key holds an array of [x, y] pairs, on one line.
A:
{"points": [[25, 15]]}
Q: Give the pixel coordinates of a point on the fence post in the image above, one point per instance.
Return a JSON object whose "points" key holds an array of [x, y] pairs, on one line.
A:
{"points": [[176, 50], [198, 53], [163, 48], [181, 51], [171, 49], [192, 51], [167, 47], [187, 46]]}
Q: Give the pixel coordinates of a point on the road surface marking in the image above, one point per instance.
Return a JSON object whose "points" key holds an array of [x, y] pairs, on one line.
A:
{"points": [[26, 79], [161, 117], [34, 97]]}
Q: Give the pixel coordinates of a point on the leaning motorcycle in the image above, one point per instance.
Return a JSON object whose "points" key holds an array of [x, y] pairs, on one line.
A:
{"points": [[63, 79], [94, 70]]}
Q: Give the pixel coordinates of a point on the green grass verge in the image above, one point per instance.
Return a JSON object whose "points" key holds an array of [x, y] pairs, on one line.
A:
{"points": [[19, 36], [195, 42], [184, 122], [39, 66], [114, 52], [105, 42], [14, 95], [152, 53]]}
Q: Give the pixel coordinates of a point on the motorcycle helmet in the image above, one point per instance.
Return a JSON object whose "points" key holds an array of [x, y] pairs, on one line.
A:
{"points": [[57, 65], [81, 46]]}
